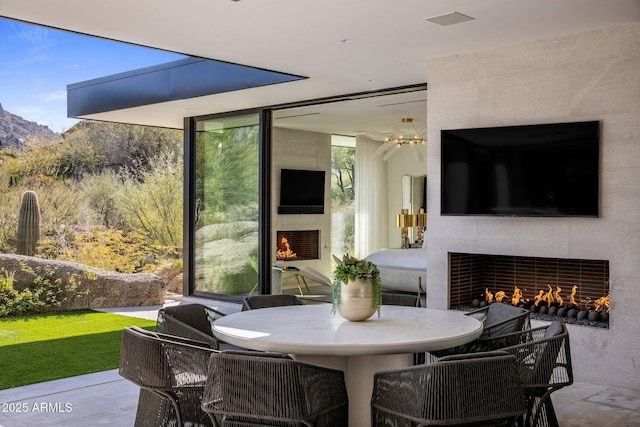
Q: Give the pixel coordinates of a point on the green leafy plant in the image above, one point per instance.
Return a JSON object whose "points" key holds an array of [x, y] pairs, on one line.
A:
{"points": [[14, 302], [43, 294], [351, 268]]}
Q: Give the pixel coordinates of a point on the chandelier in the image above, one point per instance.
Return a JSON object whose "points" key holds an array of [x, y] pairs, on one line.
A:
{"points": [[399, 138]]}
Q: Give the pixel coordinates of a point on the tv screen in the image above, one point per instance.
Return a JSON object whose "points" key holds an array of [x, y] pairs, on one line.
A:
{"points": [[531, 170], [301, 192]]}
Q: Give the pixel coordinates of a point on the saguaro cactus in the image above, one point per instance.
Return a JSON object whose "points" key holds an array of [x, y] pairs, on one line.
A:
{"points": [[28, 224]]}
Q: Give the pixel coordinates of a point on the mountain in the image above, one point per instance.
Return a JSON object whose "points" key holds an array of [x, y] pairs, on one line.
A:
{"points": [[14, 130]]}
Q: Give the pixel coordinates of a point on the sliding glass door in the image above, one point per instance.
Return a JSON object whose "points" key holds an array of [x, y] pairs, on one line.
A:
{"points": [[226, 205]]}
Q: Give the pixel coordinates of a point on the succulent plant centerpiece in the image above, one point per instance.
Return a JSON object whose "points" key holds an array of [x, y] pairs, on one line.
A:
{"points": [[357, 291]]}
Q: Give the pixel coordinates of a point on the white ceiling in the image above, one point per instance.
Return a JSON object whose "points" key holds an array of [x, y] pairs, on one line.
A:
{"points": [[389, 44]]}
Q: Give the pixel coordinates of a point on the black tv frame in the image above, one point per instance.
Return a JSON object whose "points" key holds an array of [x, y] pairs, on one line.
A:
{"points": [[516, 149], [298, 178]]}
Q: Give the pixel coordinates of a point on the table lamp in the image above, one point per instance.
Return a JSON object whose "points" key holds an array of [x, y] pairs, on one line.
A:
{"points": [[405, 220]]}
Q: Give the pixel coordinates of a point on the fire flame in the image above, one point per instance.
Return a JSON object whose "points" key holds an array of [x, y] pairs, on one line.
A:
{"points": [[602, 302], [538, 298], [552, 296], [488, 295], [285, 253], [572, 297], [557, 296], [517, 296]]}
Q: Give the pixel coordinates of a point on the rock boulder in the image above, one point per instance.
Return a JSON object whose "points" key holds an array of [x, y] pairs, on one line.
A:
{"points": [[100, 288]]}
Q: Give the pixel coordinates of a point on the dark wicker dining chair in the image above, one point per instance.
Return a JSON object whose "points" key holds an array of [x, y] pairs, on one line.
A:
{"points": [[407, 300], [544, 357], [497, 319], [253, 302], [171, 373], [251, 389], [500, 318], [475, 389], [191, 321]]}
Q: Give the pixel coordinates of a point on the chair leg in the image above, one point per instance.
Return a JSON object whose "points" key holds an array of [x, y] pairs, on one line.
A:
{"points": [[545, 413], [541, 412], [153, 409], [299, 286]]}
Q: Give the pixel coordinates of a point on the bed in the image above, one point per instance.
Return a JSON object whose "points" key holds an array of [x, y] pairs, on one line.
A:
{"points": [[402, 270]]}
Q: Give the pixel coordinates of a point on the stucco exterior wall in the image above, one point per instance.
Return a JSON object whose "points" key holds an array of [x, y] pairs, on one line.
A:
{"points": [[588, 76]]}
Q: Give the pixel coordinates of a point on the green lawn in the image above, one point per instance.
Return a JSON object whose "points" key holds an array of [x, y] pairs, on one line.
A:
{"points": [[49, 346]]}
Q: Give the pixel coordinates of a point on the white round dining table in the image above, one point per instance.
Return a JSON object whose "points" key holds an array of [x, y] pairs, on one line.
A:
{"points": [[311, 334]]}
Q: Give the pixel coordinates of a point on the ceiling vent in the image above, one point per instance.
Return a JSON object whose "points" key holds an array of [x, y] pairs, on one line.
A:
{"points": [[449, 18]]}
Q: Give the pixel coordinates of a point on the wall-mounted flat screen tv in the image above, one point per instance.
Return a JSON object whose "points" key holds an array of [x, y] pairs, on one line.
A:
{"points": [[533, 170], [301, 191]]}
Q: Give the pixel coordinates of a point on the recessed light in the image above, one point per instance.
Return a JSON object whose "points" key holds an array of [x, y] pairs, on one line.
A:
{"points": [[345, 41], [449, 18]]}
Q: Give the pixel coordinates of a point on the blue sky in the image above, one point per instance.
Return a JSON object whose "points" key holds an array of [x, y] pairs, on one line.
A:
{"points": [[37, 64]]}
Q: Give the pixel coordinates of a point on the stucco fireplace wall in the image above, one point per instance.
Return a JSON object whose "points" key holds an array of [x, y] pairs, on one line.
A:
{"points": [[296, 149], [587, 76]]}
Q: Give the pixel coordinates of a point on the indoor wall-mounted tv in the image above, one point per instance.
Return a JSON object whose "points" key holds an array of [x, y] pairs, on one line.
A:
{"points": [[547, 170], [301, 191]]}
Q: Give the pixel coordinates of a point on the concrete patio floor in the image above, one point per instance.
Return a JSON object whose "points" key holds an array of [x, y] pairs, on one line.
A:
{"points": [[105, 398]]}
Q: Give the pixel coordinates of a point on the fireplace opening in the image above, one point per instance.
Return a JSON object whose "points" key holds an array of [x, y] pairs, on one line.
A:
{"points": [[569, 290], [297, 245]]}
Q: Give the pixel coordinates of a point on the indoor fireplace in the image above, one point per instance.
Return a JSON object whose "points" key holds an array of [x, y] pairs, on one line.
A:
{"points": [[570, 290], [297, 245]]}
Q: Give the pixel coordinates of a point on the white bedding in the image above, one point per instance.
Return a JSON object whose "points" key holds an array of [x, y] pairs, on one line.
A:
{"points": [[402, 269], [400, 258]]}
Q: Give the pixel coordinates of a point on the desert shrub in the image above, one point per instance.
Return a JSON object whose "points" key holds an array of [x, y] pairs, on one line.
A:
{"points": [[100, 192], [57, 160], [9, 218], [13, 302], [61, 203], [120, 145], [43, 294], [61, 206], [96, 178], [113, 250], [58, 206], [151, 200]]}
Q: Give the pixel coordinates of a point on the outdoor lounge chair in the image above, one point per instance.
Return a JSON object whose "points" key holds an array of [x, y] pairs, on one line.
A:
{"points": [[251, 389], [191, 321], [171, 373], [472, 389], [544, 358], [263, 301]]}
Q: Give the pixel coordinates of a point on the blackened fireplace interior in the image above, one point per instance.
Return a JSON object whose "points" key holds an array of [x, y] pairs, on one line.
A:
{"points": [[534, 282], [297, 245]]}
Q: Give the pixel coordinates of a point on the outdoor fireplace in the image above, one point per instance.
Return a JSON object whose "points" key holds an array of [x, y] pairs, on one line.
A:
{"points": [[570, 290], [297, 245]]}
